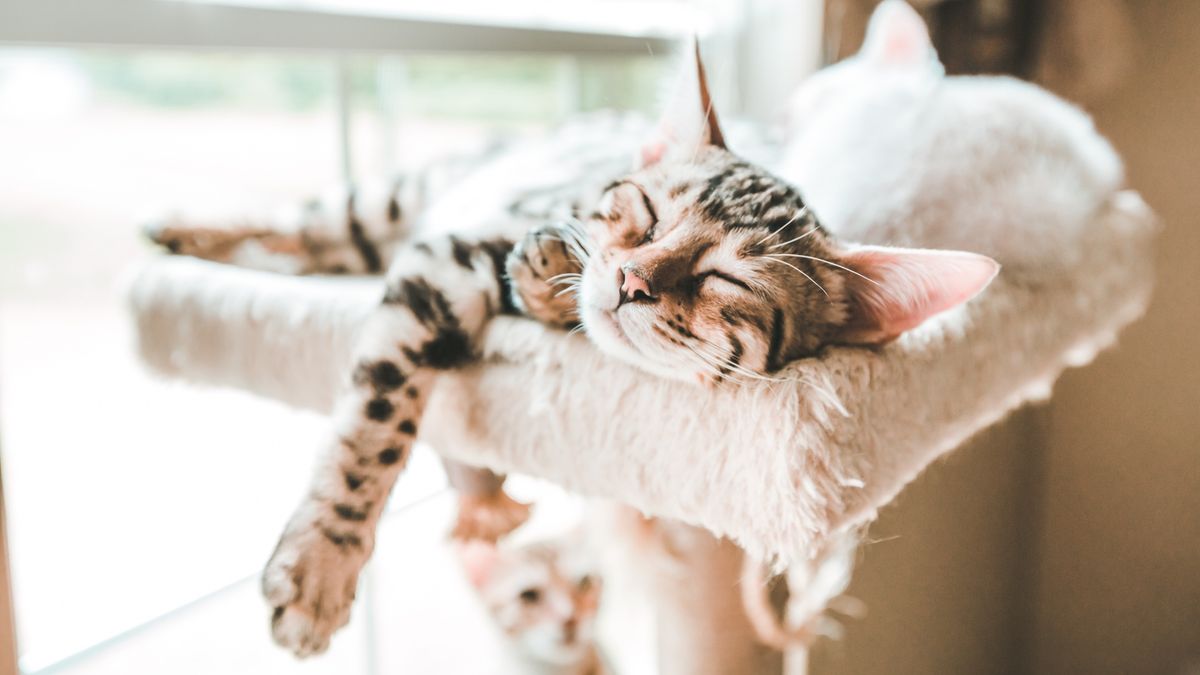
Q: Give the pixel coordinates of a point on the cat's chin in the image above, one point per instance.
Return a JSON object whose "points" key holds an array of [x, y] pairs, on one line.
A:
{"points": [[606, 333], [558, 653]]}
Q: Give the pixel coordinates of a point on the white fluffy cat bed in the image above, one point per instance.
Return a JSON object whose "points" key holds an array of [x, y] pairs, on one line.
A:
{"points": [[780, 467]]}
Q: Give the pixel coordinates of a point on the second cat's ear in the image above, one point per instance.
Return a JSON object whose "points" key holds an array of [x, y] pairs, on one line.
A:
{"points": [[689, 120], [893, 290], [897, 36], [478, 561]]}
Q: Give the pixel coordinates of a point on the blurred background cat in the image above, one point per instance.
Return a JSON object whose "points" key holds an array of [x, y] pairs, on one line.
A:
{"points": [[543, 596]]}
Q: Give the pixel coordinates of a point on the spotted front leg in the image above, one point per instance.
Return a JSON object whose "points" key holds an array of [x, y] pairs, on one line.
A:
{"points": [[544, 272], [429, 321]]}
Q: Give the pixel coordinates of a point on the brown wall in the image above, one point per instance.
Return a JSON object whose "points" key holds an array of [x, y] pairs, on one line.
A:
{"points": [[943, 573], [1118, 570], [8, 634]]}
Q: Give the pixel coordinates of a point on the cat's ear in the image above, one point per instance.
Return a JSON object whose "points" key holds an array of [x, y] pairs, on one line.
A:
{"points": [[896, 289], [478, 561], [897, 36], [689, 120]]}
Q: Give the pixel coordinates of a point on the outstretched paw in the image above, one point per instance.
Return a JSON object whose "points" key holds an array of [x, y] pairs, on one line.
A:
{"points": [[541, 268], [310, 583], [488, 517]]}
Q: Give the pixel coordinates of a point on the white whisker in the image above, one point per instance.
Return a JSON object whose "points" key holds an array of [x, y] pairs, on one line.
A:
{"points": [[706, 362], [770, 233], [738, 368], [814, 228], [574, 235], [564, 278], [772, 258], [828, 262]]}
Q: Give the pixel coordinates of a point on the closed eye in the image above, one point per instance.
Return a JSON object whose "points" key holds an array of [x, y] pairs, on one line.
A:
{"points": [[727, 278], [650, 230]]}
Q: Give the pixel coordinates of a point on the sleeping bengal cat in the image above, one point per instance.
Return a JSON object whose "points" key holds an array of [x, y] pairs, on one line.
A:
{"points": [[696, 265]]}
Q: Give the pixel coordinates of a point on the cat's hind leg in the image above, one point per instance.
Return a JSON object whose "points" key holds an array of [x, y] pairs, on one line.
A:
{"points": [[485, 511], [436, 304], [348, 231]]}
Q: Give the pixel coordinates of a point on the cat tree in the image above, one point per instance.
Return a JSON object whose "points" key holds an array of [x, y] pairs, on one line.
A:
{"points": [[789, 470]]}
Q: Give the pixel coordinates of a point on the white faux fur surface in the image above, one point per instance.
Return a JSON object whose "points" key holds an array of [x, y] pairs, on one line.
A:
{"points": [[777, 466]]}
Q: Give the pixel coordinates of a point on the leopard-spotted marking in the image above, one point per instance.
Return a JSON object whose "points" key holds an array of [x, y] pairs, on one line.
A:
{"points": [[429, 321]]}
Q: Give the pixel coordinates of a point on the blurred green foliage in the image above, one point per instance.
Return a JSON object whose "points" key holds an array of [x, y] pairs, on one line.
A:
{"points": [[498, 88], [180, 80]]}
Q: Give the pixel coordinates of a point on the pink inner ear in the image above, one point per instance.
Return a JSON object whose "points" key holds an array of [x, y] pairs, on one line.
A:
{"points": [[902, 47], [652, 153], [897, 35], [689, 120], [478, 560], [904, 287]]}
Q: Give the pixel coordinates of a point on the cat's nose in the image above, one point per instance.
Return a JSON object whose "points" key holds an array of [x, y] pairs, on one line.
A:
{"points": [[634, 287], [570, 626]]}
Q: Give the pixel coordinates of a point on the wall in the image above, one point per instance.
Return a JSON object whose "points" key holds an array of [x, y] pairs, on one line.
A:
{"points": [[1118, 569], [942, 574]]}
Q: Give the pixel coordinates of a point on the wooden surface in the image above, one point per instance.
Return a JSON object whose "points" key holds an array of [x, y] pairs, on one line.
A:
{"points": [[8, 637]]}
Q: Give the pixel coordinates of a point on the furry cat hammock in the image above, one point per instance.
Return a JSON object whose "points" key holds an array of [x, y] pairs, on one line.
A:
{"points": [[792, 466], [776, 466]]}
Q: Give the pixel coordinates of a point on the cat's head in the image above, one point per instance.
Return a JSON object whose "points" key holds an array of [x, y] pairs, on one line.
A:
{"points": [[897, 57], [703, 266], [543, 596]]}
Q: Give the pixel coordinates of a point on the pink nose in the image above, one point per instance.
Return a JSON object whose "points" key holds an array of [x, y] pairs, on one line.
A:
{"points": [[633, 287]]}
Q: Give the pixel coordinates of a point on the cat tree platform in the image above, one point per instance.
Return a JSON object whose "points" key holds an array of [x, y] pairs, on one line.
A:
{"points": [[782, 468], [776, 466]]}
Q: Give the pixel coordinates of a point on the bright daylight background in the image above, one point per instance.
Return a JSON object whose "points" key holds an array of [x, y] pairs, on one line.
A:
{"points": [[140, 511]]}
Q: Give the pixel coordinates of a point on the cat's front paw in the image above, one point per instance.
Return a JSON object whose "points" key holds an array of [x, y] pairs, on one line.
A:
{"points": [[310, 583], [541, 267]]}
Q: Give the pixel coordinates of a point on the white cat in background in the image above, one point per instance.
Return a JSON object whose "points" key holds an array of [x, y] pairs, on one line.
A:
{"points": [[889, 150], [543, 597]]}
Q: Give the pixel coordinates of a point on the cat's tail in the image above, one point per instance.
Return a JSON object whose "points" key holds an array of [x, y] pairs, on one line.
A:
{"points": [[348, 230], [813, 590]]}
